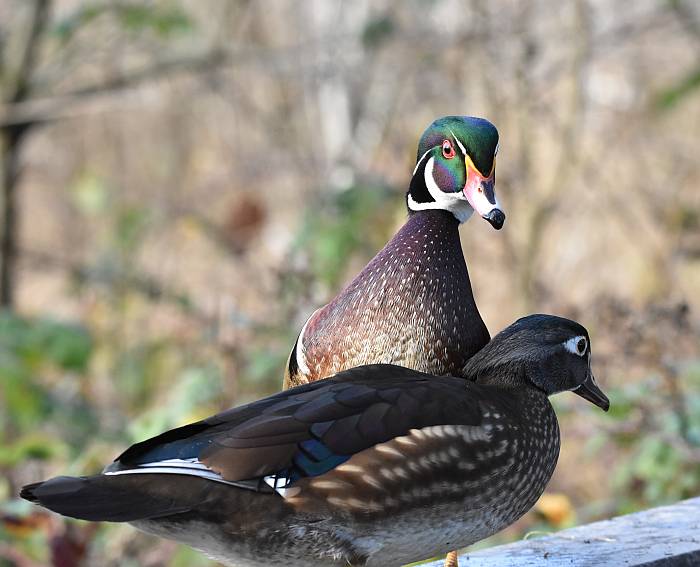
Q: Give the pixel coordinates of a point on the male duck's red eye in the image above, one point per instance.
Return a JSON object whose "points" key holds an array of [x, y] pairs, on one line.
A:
{"points": [[448, 150]]}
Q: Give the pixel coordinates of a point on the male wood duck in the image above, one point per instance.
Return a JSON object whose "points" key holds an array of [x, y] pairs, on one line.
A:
{"points": [[378, 465], [413, 304]]}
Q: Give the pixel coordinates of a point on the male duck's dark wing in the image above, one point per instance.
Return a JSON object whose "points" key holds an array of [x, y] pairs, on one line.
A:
{"points": [[309, 430]]}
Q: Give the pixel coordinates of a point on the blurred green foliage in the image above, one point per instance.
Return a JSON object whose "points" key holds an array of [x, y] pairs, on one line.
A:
{"points": [[671, 96], [342, 225], [347, 222], [162, 19], [377, 31], [660, 438], [28, 349]]}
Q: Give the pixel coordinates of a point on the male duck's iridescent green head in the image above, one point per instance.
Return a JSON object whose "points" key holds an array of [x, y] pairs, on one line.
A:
{"points": [[456, 169]]}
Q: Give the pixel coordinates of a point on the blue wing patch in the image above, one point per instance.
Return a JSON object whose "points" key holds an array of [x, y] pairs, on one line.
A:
{"points": [[313, 459]]}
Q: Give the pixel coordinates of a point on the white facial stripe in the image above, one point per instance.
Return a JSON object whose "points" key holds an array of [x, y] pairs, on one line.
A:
{"points": [[435, 191], [420, 160], [456, 203], [461, 147], [572, 345], [495, 153]]}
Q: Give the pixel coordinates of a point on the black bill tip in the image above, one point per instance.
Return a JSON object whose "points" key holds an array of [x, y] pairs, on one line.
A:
{"points": [[590, 391], [27, 492], [496, 217]]}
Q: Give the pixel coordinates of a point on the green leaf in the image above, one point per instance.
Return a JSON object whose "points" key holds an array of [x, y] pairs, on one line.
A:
{"points": [[671, 96], [90, 194], [65, 28], [378, 31], [193, 389], [131, 224], [342, 229], [38, 341], [31, 446], [67, 346], [163, 20]]}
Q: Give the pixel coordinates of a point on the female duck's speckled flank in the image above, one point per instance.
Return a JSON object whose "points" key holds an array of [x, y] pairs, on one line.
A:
{"points": [[378, 465], [413, 304]]}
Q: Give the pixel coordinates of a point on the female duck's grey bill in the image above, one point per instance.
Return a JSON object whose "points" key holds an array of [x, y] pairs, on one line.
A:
{"points": [[590, 391], [496, 217]]}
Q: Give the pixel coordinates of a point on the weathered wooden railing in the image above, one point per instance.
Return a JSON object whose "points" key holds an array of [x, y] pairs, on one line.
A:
{"points": [[665, 536]]}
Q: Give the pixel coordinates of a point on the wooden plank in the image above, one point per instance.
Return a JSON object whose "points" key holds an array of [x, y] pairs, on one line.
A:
{"points": [[665, 536]]}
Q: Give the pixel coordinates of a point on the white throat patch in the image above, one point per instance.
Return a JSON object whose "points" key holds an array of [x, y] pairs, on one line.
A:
{"points": [[456, 203]]}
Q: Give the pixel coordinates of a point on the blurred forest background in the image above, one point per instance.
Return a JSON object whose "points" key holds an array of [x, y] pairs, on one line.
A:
{"points": [[184, 182]]}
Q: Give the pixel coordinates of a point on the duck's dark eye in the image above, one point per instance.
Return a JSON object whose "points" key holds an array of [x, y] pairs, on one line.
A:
{"points": [[448, 150], [581, 346]]}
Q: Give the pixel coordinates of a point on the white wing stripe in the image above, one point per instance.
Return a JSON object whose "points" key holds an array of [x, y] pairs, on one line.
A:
{"points": [[188, 467], [209, 475]]}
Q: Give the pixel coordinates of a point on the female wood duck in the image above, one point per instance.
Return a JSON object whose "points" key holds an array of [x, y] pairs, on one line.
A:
{"points": [[378, 465], [413, 305]]}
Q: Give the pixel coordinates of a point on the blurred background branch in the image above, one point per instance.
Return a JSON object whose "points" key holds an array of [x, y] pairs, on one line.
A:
{"points": [[17, 90], [104, 94]]}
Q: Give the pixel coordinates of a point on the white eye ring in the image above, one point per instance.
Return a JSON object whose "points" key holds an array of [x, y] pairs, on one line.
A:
{"points": [[576, 345]]}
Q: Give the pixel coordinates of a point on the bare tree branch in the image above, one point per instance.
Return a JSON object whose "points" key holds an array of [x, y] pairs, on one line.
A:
{"points": [[10, 144], [27, 64], [39, 110]]}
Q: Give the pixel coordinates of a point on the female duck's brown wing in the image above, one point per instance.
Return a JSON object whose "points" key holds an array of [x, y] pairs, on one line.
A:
{"points": [[308, 430]]}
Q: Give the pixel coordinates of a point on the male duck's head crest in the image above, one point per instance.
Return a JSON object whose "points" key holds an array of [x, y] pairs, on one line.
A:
{"points": [[455, 169]]}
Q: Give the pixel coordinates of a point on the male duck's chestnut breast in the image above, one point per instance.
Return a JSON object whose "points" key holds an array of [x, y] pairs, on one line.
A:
{"points": [[412, 306]]}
